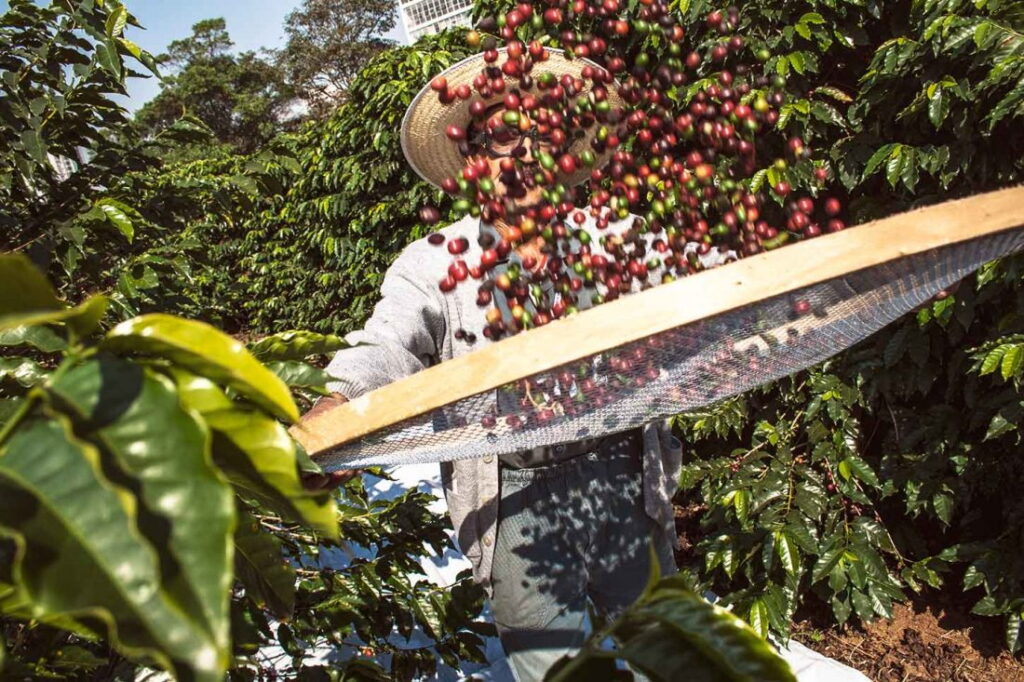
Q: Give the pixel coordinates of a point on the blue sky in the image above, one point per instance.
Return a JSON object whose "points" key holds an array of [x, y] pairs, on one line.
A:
{"points": [[252, 24]]}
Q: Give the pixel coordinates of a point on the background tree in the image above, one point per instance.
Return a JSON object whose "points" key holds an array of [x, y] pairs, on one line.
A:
{"points": [[242, 98], [329, 41]]}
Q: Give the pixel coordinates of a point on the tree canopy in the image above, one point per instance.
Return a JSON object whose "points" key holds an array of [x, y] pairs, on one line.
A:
{"points": [[244, 99], [329, 41]]}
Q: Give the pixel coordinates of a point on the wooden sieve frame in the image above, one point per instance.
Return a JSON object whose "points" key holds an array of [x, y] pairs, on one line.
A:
{"points": [[637, 316]]}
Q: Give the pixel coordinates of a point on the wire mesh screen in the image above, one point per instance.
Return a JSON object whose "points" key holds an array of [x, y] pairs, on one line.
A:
{"points": [[678, 370]]}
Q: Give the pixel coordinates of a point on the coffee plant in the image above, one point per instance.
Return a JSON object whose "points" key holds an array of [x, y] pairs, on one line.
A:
{"points": [[133, 464], [910, 102], [144, 454]]}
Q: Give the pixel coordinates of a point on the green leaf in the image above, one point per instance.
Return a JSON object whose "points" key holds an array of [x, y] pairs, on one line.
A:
{"points": [[266, 575], [881, 604], [34, 145], [116, 21], [298, 374], [26, 299], [259, 457], [79, 553], [106, 54], [758, 617], [993, 359], [825, 563], [206, 351], [24, 291], [136, 420], [116, 214], [862, 605], [26, 372], [741, 503], [296, 345], [877, 159], [863, 470], [40, 338], [1015, 632], [721, 640], [938, 106], [788, 552], [1012, 360], [84, 319], [841, 608], [943, 505], [894, 167], [999, 426]]}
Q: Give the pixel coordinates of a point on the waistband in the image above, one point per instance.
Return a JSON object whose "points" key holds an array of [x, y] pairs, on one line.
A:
{"points": [[618, 463]]}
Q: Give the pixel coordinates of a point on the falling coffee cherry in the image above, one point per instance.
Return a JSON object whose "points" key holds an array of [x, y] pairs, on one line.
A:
{"points": [[457, 246], [429, 215]]}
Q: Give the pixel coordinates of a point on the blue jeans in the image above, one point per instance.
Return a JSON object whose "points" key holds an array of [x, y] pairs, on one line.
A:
{"points": [[568, 533]]}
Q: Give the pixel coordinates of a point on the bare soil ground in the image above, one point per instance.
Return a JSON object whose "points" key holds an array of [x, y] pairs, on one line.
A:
{"points": [[933, 638]]}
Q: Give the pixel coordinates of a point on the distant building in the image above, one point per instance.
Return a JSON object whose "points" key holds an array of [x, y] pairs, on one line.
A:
{"points": [[63, 167], [420, 17]]}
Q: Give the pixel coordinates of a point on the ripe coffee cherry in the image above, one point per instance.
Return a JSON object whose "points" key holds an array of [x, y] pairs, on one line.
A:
{"points": [[833, 207], [435, 238], [439, 84], [447, 284], [455, 132], [458, 246], [430, 215]]}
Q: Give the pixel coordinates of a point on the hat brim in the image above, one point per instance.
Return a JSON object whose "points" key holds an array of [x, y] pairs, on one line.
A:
{"points": [[434, 157]]}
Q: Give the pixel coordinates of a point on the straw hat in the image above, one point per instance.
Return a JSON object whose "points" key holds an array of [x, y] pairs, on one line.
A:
{"points": [[429, 151]]}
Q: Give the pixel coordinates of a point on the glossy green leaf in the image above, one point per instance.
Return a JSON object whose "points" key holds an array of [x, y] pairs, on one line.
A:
{"points": [[938, 106], [80, 552], [259, 457], [116, 21], [9, 407], [27, 373], [862, 605], [725, 642], [206, 351], [40, 338], [266, 575], [1015, 632], [788, 552], [758, 617], [863, 470], [296, 345], [85, 318], [116, 214], [297, 374], [135, 418], [24, 291], [1012, 361], [257, 454]]}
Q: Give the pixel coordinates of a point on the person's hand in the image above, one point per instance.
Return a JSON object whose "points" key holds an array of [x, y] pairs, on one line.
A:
{"points": [[328, 481]]}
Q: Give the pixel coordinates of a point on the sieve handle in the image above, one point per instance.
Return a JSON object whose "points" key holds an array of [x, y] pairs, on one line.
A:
{"points": [[662, 308]]}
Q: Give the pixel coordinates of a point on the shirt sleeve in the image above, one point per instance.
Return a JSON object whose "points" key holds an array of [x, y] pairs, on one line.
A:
{"points": [[403, 336]]}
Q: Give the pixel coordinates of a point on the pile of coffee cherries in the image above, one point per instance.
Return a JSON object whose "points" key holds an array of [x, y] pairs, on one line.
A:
{"points": [[674, 150]]}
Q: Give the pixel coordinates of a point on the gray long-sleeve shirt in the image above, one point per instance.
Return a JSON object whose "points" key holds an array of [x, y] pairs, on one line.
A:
{"points": [[414, 326]]}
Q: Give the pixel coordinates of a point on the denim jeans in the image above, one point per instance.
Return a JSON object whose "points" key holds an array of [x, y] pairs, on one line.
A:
{"points": [[568, 534]]}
